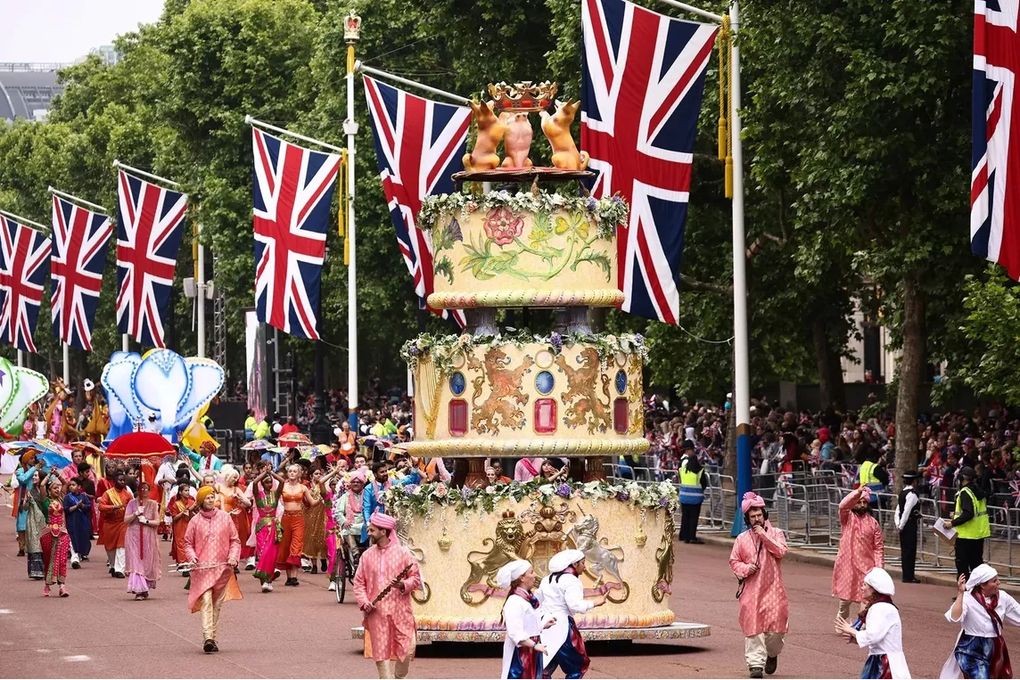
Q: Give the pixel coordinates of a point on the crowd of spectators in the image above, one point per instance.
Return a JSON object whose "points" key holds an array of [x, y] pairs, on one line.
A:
{"points": [[788, 441]]}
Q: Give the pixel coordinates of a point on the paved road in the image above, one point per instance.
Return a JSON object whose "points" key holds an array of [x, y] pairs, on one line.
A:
{"points": [[301, 632]]}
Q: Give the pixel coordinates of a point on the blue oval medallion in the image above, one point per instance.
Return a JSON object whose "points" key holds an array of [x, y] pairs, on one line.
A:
{"points": [[621, 381], [457, 383], [544, 382]]}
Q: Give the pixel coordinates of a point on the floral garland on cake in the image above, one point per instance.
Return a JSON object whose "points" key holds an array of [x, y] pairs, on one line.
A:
{"points": [[442, 349], [422, 499], [603, 213]]}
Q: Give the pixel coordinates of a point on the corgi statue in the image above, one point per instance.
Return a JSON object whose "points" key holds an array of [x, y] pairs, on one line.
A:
{"points": [[556, 128], [518, 140], [490, 133]]}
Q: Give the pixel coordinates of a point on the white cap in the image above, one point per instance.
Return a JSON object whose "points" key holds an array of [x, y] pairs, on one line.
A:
{"points": [[511, 571], [982, 573], [564, 559], [881, 581]]}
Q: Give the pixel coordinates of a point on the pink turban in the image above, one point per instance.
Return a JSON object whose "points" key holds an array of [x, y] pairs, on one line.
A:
{"points": [[382, 521], [865, 493], [751, 500]]}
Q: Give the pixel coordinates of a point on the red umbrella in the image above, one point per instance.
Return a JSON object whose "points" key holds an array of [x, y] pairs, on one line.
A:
{"points": [[140, 445]]}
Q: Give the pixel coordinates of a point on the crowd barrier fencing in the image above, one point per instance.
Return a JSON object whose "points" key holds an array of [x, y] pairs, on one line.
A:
{"points": [[805, 506]]}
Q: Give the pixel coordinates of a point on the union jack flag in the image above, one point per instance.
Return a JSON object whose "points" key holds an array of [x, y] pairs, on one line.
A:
{"points": [[643, 81], [293, 187], [419, 144], [150, 220], [24, 261], [994, 192], [79, 258]]}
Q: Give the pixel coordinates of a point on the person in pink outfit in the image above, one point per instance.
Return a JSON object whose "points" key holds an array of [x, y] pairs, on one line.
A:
{"points": [[756, 561], [387, 575], [213, 549], [861, 549], [141, 543]]}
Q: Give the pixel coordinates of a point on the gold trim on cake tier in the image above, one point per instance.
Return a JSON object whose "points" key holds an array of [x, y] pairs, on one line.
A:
{"points": [[663, 617], [527, 298], [454, 448]]}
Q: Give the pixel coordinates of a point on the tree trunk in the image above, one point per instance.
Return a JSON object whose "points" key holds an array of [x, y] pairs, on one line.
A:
{"points": [[910, 373], [830, 371]]}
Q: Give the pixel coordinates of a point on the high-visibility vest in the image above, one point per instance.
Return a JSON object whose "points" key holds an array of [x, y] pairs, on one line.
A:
{"points": [[691, 492], [868, 474], [977, 526]]}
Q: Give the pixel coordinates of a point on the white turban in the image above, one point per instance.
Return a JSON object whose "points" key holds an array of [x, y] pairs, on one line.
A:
{"points": [[511, 571], [564, 559], [881, 581], [981, 574]]}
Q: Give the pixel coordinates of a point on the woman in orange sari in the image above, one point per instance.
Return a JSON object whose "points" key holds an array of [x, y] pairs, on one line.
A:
{"points": [[235, 502], [180, 508]]}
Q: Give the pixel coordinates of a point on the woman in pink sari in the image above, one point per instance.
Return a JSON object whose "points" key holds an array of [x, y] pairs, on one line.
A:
{"points": [[141, 543], [267, 528], [55, 542]]}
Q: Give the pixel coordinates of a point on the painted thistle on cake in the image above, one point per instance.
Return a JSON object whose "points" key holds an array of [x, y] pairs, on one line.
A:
{"points": [[421, 500]]}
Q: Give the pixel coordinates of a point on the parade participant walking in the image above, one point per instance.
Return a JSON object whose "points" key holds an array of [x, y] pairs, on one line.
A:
{"points": [[313, 547], [78, 519], [372, 501], [907, 518], [235, 502], [267, 528], [55, 543], [693, 481], [295, 496], [25, 476], [970, 520], [206, 459], [878, 628], [212, 549], [562, 596], [861, 548], [387, 575], [981, 609], [764, 607], [141, 543], [180, 509], [112, 534], [35, 525], [522, 648]]}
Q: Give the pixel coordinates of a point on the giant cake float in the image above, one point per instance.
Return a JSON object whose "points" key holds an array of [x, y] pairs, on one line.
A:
{"points": [[515, 236]]}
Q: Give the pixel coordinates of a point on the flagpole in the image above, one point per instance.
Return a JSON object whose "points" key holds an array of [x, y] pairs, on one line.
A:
{"points": [[741, 368], [67, 363], [284, 131], [21, 359], [352, 32], [72, 197], [359, 67], [200, 294], [26, 220]]}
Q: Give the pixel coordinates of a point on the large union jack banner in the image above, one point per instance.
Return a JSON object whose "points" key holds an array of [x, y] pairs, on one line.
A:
{"points": [[76, 270], [419, 144], [150, 220], [24, 262], [643, 81], [293, 187], [995, 189]]}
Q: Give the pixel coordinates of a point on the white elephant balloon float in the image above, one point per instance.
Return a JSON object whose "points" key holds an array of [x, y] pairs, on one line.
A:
{"points": [[157, 392]]}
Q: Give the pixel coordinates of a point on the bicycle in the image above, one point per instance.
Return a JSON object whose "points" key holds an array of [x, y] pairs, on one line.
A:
{"points": [[344, 567]]}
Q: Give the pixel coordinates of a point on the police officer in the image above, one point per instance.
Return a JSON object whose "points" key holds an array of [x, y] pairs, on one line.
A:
{"points": [[971, 523], [907, 517], [693, 481]]}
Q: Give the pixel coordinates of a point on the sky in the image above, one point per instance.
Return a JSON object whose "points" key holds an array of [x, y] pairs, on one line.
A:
{"points": [[66, 30]]}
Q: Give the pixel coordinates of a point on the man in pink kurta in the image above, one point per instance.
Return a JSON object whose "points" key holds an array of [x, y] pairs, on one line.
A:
{"points": [[764, 608], [212, 550], [387, 575], [861, 548]]}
